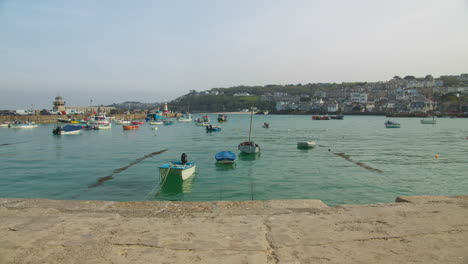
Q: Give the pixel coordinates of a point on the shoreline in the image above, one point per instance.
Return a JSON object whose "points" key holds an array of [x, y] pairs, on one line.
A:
{"points": [[425, 229]]}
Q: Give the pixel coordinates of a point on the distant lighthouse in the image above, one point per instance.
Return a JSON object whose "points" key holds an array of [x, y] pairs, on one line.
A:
{"points": [[59, 104], [165, 107]]}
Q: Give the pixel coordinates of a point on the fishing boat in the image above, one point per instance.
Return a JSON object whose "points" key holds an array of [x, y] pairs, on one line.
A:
{"points": [[222, 118], [226, 157], [23, 125], [4, 124], [130, 127], [305, 144], [211, 128], [185, 118], [181, 170], [391, 124], [266, 125], [249, 146], [67, 130]]}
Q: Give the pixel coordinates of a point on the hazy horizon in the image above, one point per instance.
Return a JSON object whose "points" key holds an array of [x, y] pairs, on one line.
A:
{"points": [[151, 51]]}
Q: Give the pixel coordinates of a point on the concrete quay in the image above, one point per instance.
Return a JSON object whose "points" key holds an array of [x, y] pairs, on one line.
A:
{"points": [[417, 229]]}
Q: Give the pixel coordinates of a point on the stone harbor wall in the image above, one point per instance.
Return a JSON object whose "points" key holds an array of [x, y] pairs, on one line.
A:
{"points": [[420, 229]]}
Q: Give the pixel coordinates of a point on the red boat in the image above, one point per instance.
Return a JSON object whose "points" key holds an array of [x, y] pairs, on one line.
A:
{"points": [[320, 118], [130, 127], [138, 122]]}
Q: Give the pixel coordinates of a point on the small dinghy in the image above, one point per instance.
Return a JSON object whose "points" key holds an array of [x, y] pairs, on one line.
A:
{"points": [[181, 170], [211, 128], [226, 157], [266, 125], [130, 127], [305, 144]]}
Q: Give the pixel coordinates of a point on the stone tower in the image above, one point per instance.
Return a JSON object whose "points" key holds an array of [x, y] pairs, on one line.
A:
{"points": [[59, 104]]}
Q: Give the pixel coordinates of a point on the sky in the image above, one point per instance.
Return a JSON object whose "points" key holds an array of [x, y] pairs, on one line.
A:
{"points": [[111, 51]]}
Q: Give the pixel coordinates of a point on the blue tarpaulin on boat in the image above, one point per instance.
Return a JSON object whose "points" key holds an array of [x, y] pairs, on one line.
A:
{"points": [[225, 155], [71, 128]]}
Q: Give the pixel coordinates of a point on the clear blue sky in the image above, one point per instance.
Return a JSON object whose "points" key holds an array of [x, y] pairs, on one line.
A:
{"points": [[149, 51]]}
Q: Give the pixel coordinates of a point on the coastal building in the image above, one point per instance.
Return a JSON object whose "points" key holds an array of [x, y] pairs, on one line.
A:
{"points": [[358, 98], [59, 104]]}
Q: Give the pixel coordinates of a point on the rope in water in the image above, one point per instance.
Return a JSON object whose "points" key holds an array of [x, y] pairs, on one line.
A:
{"points": [[161, 183]]}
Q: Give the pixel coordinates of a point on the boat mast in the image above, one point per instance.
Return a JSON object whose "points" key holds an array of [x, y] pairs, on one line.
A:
{"points": [[250, 129]]}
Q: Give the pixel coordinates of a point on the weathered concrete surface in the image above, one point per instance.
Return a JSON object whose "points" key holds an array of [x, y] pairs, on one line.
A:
{"points": [[425, 229]]}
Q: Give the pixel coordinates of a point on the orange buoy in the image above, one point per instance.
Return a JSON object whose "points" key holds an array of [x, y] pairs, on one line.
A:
{"points": [[436, 156]]}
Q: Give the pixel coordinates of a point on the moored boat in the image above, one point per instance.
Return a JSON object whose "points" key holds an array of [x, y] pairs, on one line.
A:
{"points": [[131, 127], [249, 147], [168, 122], [103, 126], [320, 118], [185, 118], [305, 144], [156, 122], [222, 118], [4, 124], [67, 130], [391, 124], [226, 157], [23, 125], [137, 122], [180, 170], [211, 128], [266, 125]]}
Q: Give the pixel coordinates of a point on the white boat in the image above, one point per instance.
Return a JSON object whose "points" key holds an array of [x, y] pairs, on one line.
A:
{"points": [[176, 169], [305, 144], [249, 147], [156, 122], [67, 130], [185, 118], [4, 124], [103, 126], [24, 125], [121, 122], [391, 124]]}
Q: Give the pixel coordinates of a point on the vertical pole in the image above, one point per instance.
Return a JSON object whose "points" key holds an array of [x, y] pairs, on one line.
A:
{"points": [[250, 129]]}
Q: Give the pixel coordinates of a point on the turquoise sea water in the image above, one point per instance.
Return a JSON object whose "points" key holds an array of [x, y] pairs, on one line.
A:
{"points": [[40, 165]]}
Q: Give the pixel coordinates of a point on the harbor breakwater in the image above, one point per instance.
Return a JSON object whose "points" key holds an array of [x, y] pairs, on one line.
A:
{"points": [[414, 229]]}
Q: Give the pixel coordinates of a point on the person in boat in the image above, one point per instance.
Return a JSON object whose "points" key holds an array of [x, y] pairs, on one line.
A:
{"points": [[183, 159]]}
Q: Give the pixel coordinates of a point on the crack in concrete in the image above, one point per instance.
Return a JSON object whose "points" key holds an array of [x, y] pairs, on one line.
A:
{"points": [[270, 248], [184, 249], [375, 238]]}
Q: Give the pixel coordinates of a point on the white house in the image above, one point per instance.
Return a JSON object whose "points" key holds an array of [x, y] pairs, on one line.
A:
{"points": [[358, 98]]}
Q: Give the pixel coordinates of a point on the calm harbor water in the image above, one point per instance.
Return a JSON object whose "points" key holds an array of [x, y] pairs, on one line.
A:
{"points": [[383, 163]]}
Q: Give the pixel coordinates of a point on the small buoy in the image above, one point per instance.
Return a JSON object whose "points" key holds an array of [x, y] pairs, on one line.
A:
{"points": [[436, 156]]}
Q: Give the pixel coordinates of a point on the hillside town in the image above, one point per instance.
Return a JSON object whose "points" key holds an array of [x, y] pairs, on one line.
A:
{"points": [[398, 95]]}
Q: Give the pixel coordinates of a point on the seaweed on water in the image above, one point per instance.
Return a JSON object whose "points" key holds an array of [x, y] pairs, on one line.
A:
{"points": [[101, 180], [8, 144], [360, 164]]}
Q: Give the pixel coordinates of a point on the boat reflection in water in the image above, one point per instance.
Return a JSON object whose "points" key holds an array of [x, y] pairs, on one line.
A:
{"points": [[174, 188], [224, 166], [246, 157]]}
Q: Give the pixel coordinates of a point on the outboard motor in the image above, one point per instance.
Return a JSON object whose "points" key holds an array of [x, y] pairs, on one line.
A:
{"points": [[183, 158]]}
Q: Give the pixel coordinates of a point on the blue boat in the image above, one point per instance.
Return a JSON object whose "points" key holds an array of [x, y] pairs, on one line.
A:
{"points": [[211, 128], [225, 157], [67, 130]]}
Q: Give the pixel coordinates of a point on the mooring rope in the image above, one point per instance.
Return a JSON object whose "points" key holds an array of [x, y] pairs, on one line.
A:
{"points": [[160, 185], [101, 180]]}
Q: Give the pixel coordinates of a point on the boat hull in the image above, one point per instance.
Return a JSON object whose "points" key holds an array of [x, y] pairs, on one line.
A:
{"points": [[60, 133], [177, 170], [428, 122], [248, 147], [130, 127], [306, 144]]}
